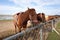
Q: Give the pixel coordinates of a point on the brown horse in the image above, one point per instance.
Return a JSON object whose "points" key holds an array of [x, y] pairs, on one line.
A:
{"points": [[21, 19], [50, 17], [41, 17]]}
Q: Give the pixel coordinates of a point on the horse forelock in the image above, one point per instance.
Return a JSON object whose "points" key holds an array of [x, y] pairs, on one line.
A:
{"points": [[32, 9]]}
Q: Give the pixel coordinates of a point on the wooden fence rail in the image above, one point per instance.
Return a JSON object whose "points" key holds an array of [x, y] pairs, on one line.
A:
{"points": [[37, 30]]}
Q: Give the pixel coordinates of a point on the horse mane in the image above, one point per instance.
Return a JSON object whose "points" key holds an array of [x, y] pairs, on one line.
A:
{"points": [[27, 11]]}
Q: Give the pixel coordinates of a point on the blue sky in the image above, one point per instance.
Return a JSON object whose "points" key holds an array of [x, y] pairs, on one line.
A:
{"points": [[49, 7]]}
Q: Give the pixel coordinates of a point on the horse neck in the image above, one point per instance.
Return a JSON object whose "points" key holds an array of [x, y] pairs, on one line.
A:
{"points": [[23, 18]]}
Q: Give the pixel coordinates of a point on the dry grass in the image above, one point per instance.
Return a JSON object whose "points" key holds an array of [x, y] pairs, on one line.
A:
{"points": [[6, 28]]}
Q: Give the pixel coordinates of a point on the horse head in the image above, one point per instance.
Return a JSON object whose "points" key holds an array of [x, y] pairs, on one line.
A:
{"points": [[41, 17], [32, 15]]}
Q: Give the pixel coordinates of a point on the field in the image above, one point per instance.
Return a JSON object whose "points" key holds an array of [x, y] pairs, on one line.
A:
{"points": [[53, 35], [6, 28]]}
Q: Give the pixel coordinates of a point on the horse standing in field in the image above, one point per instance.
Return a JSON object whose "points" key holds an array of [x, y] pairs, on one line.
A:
{"points": [[51, 18], [21, 19]]}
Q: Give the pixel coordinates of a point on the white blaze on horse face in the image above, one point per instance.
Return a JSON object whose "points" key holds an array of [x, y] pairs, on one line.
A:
{"points": [[29, 23]]}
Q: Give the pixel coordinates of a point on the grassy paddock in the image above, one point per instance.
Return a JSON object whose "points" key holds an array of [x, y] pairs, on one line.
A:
{"points": [[53, 35]]}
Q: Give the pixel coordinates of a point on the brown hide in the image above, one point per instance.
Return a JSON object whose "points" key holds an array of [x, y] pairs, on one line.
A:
{"points": [[41, 17], [23, 17]]}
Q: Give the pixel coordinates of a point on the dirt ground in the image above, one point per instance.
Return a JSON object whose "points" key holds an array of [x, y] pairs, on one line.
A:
{"points": [[6, 28]]}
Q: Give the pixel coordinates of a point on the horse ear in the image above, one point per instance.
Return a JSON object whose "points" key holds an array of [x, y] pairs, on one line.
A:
{"points": [[28, 8], [42, 13]]}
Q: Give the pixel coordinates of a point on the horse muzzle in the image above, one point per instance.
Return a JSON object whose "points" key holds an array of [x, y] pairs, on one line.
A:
{"points": [[35, 21]]}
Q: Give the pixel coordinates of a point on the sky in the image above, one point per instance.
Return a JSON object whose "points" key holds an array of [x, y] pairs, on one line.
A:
{"points": [[11, 7]]}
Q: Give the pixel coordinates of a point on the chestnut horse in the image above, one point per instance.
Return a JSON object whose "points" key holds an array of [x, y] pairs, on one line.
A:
{"points": [[51, 17], [41, 17], [20, 19]]}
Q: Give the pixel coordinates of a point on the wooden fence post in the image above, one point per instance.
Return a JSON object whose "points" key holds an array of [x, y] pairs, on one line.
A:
{"points": [[41, 33], [53, 29], [52, 25]]}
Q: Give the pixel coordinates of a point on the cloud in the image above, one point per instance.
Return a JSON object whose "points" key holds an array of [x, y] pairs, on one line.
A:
{"points": [[4, 9], [46, 6], [35, 3], [38, 2]]}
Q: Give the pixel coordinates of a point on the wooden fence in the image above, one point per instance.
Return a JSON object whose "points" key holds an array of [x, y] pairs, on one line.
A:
{"points": [[39, 32]]}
